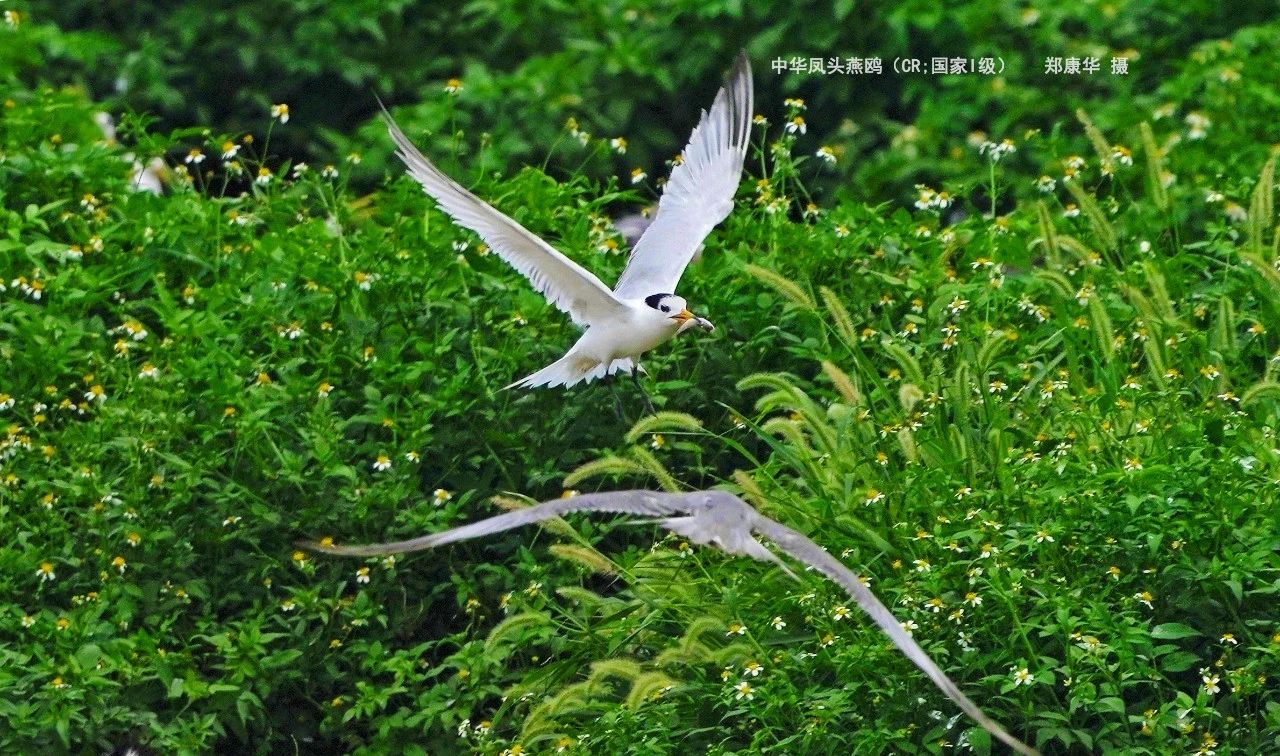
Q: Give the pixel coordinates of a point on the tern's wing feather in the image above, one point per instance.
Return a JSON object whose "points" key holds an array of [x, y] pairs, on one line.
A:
{"points": [[563, 282], [805, 550], [647, 503], [699, 193], [709, 514]]}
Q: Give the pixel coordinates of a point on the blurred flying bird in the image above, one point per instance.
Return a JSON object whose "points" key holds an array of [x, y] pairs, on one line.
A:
{"points": [[710, 518], [642, 311], [142, 178], [633, 225]]}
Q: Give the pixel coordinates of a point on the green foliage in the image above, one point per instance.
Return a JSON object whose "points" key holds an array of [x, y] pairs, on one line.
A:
{"points": [[1058, 467], [225, 64]]}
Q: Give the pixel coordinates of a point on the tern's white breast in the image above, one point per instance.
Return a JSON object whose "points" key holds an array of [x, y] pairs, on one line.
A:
{"points": [[642, 330]]}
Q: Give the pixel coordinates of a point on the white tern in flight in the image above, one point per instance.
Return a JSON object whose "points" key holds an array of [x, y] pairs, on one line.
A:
{"points": [[643, 310], [720, 519]]}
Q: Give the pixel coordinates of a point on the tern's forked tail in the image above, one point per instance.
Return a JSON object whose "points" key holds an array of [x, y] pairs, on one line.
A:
{"points": [[572, 369]]}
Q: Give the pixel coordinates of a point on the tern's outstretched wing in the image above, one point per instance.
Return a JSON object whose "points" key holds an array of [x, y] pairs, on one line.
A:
{"points": [[647, 503], [804, 550], [562, 281], [699, 193], [711, 517]]}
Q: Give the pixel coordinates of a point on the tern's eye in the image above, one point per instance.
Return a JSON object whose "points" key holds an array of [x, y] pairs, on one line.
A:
{"points": [[666, 308]]}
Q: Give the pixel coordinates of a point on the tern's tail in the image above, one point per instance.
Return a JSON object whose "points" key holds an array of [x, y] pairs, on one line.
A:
{"points": [[570, 369]]}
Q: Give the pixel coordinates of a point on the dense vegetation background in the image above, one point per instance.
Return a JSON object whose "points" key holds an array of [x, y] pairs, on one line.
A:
{"points": [[1003, 343]]}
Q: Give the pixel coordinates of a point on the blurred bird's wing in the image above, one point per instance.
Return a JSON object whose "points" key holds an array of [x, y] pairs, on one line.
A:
{"points": [[564, 283], [710, 517], [699, 193], [645, 503], [804, 550]]}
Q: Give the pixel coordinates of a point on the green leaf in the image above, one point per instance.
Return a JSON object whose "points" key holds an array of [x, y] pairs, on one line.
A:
{"points": [[1174, 631], [1110, 703], [1179, 662], [979, 740]]}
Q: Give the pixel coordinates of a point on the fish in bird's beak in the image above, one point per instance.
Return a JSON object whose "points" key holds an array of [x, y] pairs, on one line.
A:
{"points": [[688, 320]]}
